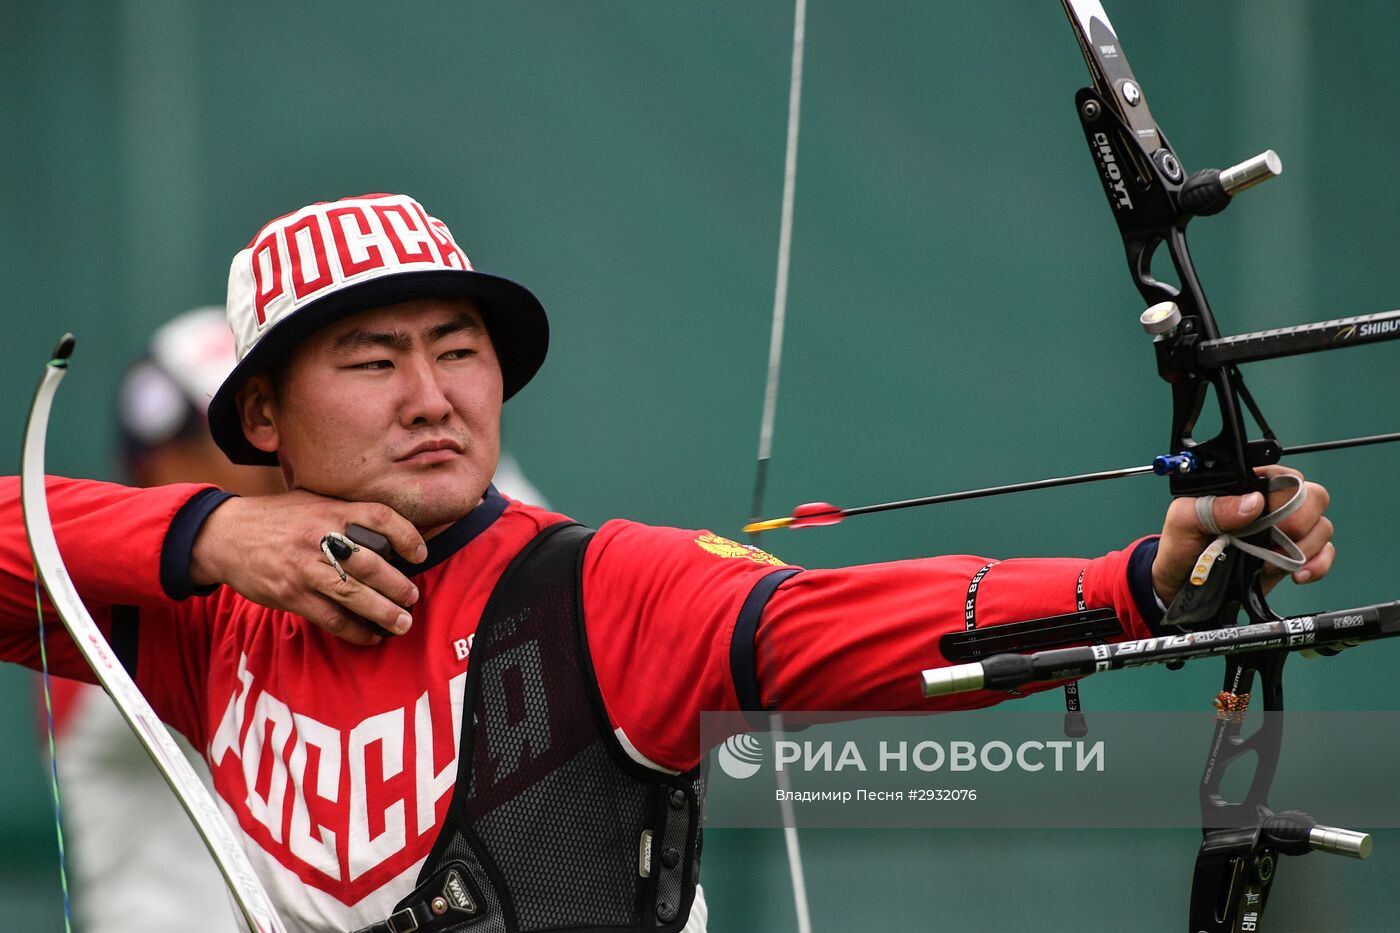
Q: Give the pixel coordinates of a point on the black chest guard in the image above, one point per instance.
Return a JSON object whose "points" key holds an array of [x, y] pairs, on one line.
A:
{"points": [[551, 825]]}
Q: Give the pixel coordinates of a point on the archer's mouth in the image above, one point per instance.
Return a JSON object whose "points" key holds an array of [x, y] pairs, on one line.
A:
{"points": [[439, 450]]}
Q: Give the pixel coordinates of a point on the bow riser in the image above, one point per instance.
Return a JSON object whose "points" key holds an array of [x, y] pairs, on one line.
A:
{"points": [[1146, 205]]}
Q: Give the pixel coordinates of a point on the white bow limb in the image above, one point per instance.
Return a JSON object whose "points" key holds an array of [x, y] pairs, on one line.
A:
{"points": [[233, 862]]}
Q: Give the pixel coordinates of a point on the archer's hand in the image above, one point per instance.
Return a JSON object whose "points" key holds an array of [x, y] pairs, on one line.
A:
{"points": [[268, 549], [1183, 538]]}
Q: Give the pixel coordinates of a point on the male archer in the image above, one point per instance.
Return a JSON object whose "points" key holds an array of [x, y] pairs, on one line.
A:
{"points": [[527, 739]]}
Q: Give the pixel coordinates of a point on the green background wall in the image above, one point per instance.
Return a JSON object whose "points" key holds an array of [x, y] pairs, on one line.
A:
{"points": [[959, 311]]}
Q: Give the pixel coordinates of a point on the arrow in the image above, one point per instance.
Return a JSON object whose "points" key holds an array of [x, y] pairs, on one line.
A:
{"points": [[813, 514]]}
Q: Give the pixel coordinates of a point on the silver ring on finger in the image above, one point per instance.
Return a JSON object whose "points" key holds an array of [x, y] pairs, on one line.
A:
{"points": [[336, 548]]}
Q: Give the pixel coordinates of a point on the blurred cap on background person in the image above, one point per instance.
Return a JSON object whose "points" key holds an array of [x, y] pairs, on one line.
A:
{"points": [[163, 409]]}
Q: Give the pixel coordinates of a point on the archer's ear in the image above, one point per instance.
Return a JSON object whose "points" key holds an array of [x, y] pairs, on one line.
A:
{"points": [[257, 410]]}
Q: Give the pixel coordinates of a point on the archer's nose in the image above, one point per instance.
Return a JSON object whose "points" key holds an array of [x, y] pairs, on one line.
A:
{"points": [[424, 401]]}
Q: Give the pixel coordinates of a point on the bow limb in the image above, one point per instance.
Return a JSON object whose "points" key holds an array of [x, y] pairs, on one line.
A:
{"points": [[233, 862]]}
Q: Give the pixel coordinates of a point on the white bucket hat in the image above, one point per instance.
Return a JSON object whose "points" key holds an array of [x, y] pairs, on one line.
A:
{"points": [[337, 258]]}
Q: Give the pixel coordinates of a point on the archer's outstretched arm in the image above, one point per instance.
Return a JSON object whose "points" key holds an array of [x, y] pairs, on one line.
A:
{"points": [[685, 622]]}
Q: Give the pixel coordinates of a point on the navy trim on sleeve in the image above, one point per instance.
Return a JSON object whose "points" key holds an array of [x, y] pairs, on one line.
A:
{"points": [[1140, 583], [743, 660], [125, 634], [177, 550]]}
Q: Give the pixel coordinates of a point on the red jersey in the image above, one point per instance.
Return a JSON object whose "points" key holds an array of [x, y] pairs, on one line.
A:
{"points": [[336, 762]]}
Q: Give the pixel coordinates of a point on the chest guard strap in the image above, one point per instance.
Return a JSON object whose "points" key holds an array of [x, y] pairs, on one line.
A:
{"points": [[551, 825]]}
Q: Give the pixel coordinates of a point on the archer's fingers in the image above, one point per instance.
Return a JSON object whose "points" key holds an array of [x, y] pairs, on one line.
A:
{"points": [[1232, 512], [403, 537], [379, 575], [356, 598], [1320, 555], [1315, 569], [328, 614], [1310, 514], [1315, 501]]}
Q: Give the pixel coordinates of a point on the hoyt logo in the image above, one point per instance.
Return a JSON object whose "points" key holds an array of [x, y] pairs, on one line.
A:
{"points": [[1112, 173]]}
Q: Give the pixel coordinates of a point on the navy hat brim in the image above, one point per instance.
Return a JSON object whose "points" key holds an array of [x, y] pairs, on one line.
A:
{"points": [[514, 318]]}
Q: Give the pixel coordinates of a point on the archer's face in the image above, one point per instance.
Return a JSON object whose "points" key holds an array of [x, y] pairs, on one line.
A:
{"points": [[399, 405]]}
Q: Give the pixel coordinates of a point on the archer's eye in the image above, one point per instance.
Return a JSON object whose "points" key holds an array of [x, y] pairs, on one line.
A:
{"points": [[372, 365]]}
